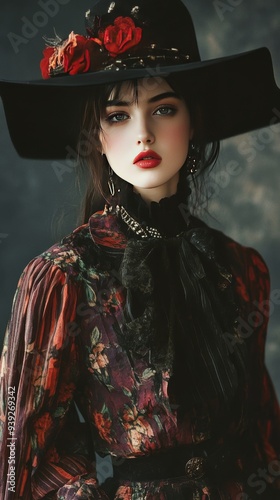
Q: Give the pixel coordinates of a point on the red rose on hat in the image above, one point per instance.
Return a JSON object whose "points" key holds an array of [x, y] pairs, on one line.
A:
{"points": [[74, 55], [44, 64], [121, 36], [80, 57]]}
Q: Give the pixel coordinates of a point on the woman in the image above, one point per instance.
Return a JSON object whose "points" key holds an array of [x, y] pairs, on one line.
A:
{"points": [[130, 337]]}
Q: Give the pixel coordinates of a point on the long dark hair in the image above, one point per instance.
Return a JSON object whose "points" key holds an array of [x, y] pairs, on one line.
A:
{"points": [[95, 167]]}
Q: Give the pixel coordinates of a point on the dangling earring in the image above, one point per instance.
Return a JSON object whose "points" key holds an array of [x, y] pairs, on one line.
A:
{"points": [[111, 184], [193, 158]]}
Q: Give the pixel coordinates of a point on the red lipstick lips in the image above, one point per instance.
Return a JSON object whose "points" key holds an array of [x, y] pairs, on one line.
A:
{"points": [[147, 159]]}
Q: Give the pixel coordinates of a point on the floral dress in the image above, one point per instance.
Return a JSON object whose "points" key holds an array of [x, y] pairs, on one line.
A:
{"points": [[62, 357]]}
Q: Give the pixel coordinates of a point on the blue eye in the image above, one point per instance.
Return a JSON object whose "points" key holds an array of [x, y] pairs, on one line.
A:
{"points": [[165, 110], [116, 117]]}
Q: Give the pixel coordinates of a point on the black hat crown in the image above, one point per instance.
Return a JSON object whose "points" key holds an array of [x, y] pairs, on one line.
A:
{"points": [[167, 31]]}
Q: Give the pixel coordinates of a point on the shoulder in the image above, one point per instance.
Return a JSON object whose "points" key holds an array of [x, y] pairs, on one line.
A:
{"points": [[74, 255], [250, 274], [242, 258], [69, 261], [249, 270], [240, 254]]}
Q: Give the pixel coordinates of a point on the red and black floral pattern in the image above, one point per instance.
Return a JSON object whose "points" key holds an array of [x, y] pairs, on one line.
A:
{"points": [[62, 346]]}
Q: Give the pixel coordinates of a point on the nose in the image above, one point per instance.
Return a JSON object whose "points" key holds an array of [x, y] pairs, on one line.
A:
{"points": [[145, 138], [145, 134]]}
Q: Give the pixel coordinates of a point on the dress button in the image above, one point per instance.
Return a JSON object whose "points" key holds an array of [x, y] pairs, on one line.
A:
{"points": [[195, 468]]}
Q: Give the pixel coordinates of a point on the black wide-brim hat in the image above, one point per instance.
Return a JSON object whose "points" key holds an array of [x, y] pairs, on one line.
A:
{"points": [[128, 40]]}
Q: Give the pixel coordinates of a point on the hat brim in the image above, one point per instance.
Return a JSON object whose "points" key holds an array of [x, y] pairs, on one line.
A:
{"points": [[237, 94]]}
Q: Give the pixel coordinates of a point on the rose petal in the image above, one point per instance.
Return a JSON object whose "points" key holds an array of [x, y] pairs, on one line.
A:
{"points": [[124, 22], [44, 64]]}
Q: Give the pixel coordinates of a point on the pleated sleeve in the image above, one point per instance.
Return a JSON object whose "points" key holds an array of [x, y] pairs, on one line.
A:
{"points": [[264, 404], [253, 286], [40, 370]]}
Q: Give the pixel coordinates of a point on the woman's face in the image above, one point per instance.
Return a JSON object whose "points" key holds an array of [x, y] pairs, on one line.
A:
{"points": [[155, 126]]}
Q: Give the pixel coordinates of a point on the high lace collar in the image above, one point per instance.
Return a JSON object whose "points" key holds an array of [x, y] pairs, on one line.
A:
{"points": [[170, 216]]}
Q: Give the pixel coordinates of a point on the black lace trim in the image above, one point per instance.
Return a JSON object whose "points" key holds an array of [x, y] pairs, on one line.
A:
{"points": [[180, 308]]}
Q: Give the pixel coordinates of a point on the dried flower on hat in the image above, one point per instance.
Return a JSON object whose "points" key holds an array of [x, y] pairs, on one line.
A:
{"points": [[72, 56]]}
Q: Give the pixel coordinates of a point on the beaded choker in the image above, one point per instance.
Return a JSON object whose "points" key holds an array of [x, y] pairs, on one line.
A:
{"points": [[147, 232]]}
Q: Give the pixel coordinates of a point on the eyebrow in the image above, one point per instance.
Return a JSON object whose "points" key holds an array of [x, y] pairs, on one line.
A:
{"points": [[159, 97]]}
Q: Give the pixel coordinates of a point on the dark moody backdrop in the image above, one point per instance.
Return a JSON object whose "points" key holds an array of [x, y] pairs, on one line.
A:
{"points": [[245, 205]]}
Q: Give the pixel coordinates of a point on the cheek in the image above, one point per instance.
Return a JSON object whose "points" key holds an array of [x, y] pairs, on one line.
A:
{"points": [[114, 143], [178, 135]]}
